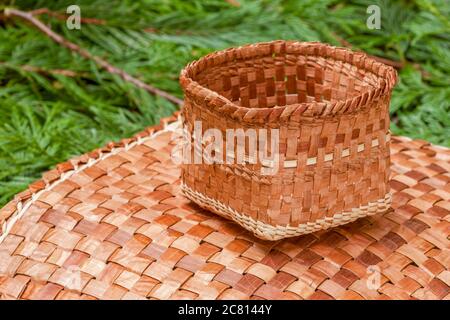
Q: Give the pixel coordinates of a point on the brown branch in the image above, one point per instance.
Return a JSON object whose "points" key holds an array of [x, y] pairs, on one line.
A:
{"points": [[389, 62], [29, 68], [234, 3], [63, 17], [87, 55]]}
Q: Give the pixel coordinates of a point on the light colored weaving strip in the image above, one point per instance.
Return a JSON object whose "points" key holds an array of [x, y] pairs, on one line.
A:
{"points": [[329, 156], [23, 207], [312, 160], [271, 232]]}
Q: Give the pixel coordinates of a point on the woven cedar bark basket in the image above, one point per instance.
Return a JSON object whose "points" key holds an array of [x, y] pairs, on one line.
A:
{"points": [[331, 106]]}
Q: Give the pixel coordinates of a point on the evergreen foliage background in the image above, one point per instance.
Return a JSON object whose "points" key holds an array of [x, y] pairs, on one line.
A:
{"points": [[48, 117]]}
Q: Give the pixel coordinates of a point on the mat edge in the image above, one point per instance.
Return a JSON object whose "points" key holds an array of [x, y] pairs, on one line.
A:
{"points": [[16, 208]]}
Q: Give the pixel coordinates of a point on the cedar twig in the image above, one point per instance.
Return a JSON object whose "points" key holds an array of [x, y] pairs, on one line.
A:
{"points": [[63, 72], [234, 3], [389, 62], [63, 17], [87, 55], [392, 63]]}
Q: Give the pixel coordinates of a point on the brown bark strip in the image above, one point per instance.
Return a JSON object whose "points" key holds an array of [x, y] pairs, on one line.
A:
{"points": [[63, 17], [63, 72], [234, 3], [389, 62], [86, 54]]}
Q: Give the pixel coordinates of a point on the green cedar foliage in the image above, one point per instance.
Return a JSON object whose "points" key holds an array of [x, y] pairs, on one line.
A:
{"points": [[47, 117]]}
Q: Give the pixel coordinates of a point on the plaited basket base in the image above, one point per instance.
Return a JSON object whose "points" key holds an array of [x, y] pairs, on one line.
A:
{"points": [[270, 232], [117, 218]]}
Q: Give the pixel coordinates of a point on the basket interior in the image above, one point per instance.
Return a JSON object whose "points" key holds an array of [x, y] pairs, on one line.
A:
{"points": [[281, 79]]}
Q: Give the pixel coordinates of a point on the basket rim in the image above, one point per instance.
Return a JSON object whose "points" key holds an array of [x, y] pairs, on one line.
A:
{"points": [[387, 76]]}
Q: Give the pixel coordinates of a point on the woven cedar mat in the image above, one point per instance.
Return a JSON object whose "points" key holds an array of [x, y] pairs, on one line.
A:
{"points": [[120, 223]]}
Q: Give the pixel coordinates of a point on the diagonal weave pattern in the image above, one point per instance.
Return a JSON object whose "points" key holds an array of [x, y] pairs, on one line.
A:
{"points": [[116, 219]]}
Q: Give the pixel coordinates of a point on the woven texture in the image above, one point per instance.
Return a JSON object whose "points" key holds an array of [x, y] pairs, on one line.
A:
{"points": [[331, 107], [117, 217]]}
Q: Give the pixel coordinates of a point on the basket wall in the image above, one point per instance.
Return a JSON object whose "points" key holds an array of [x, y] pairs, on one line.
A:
{"points": [[331, 107]]}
